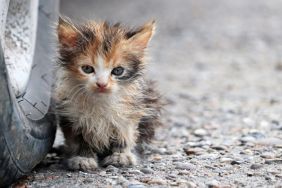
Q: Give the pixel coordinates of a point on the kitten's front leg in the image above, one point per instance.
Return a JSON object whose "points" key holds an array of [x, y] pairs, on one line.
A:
{"points": [[120, 159], [85, 159], [121, 148], [79, 154], [82, 163]]}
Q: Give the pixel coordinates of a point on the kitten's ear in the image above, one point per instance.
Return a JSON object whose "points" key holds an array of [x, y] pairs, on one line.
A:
{"points": [[67, 33], [141, 37]]}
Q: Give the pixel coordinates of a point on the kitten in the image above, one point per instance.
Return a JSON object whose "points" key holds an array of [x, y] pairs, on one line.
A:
{"points": [[106, 106]]}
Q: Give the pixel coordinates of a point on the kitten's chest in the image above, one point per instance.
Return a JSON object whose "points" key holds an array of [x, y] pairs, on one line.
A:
{"points": [[101, 125]]}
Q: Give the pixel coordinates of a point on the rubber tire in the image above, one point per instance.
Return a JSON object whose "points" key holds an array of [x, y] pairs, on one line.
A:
{"points": [[24, 142]]}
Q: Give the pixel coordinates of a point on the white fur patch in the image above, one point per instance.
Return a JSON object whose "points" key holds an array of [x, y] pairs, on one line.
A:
{"points": [[102, 72]]}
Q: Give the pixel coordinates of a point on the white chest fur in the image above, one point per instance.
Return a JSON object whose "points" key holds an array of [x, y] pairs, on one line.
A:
{"points": [[101, 121]]}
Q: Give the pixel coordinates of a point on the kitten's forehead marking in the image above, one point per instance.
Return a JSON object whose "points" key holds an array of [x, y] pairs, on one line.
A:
{"points": [[102, 72]]}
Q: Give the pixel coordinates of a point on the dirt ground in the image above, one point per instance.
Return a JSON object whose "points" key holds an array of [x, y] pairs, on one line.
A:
{"points": [[219, 65]]}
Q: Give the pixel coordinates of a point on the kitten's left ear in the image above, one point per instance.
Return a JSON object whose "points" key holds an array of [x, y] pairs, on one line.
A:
{"points": [[142, 36], [67, 32]]}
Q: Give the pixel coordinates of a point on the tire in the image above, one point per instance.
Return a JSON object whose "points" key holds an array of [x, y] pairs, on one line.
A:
{"points": [[27, 129]]}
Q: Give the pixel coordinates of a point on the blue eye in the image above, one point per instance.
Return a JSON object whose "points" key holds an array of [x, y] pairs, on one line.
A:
{"points": [[118, 71], [87, 69]]}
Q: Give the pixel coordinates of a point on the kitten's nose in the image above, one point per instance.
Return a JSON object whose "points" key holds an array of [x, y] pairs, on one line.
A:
{"points": [[101, 85]]}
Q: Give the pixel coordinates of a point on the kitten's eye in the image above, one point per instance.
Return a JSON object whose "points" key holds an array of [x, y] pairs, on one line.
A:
{"points": [[118, 71], [87, 69]]}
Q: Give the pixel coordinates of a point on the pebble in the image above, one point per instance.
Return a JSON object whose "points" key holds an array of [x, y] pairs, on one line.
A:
{"points": [[157, 181], [184, 172], [247, 139], [268, 155], [273, 161], [122, 179], [190, 184], [247, 152], [103, 173], [69, 175], [87, 181], [147, 171], [219, 148], [155, 157], [200, 132], [256, 134], [112, 168], [213, 184], [159, 150], [248, 121], [184, 166], [211, 156], [136, 172], [193, 151], [135, 186], [185, 183], [269, 141], [256, 166], [234, 162], [278, 175], [273, 171], [226, 160]]}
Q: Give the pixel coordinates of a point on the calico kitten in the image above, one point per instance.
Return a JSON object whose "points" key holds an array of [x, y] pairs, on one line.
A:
{"points": [[105, 104]]}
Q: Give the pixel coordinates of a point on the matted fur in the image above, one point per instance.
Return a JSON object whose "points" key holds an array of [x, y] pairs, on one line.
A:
{"points": [[108, 124]]}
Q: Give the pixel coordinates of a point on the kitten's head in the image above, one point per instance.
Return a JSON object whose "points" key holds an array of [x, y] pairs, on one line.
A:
{"points": [[103, 57]]}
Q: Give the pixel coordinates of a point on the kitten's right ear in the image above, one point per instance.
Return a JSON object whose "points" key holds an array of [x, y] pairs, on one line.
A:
{"points": [[67, 33]]}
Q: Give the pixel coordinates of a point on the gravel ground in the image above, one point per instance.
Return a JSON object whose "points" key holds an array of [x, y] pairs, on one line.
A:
{"points": [[219, 65]]}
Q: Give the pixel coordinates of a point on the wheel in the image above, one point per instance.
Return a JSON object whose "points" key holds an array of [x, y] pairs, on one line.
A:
{"points": [[27, 129]]}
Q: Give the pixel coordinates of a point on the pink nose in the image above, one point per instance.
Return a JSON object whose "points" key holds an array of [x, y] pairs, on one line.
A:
{"points": [[101, 85]]}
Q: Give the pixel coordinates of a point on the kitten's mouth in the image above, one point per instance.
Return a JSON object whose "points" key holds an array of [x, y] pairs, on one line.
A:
{"points": [[103, 90]]}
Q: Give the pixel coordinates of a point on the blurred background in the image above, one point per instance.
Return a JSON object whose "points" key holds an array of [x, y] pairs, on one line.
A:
{"points": [[222, 52]]}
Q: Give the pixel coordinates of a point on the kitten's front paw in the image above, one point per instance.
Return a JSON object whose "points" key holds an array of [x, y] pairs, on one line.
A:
{"points": [[120, 159], [82, 163]]}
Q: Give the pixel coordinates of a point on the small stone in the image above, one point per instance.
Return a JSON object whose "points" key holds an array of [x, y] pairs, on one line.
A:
{"points": [[235, 162], [112, 169], [273, 171], [185, 183], [247, 152], [211, 156], [68, 175], [87, 181], [200, 132], [248, 121], [184, 172], [184, 166], [136, 172], [157, 181], [245, 139], [155, 157], [147, 171], [135, 186], [273, 161], [190, 184], [157, 150], [193, 151], [268, 155], [122, 179], [103, 173], [256, 166], [226, 160], [213, 184], [219, 148], [278, 175], [269, 141]]}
